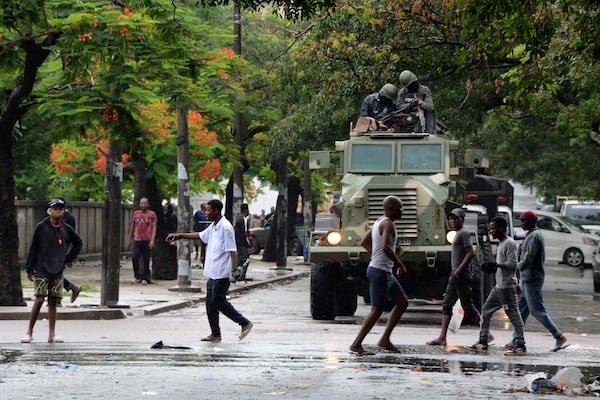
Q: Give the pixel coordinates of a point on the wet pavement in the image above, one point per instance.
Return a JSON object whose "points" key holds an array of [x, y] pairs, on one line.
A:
{"points": [[287, 354]]}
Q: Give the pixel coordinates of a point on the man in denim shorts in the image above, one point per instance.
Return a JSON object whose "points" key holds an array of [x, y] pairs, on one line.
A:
{"points": [[54, 244], [380, 241]]}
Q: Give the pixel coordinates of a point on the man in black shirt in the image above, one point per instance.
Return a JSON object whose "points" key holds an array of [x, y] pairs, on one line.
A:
{"points": [[54, 244]]}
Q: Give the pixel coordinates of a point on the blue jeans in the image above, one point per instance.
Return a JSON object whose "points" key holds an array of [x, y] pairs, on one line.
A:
{"points": [[531, 301], [216, 301]]}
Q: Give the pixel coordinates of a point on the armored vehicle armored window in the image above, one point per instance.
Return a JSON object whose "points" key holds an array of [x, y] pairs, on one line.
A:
{"points": [[372, 157], [421, 157]]}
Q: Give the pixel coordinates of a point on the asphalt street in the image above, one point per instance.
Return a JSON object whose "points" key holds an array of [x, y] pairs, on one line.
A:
{"points": [[288, 355]]}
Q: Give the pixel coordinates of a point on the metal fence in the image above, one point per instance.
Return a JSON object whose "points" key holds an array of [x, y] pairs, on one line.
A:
{"points": [[88, 217]]}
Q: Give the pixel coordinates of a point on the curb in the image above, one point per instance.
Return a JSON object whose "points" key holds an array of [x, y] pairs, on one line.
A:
{"points": [[175, 305], [96, 312]]}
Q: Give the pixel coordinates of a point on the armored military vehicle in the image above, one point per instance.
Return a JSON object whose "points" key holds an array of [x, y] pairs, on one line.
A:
{"points": [[426, 171]]}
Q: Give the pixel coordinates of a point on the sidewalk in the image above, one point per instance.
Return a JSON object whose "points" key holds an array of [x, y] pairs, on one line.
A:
{"points": [[138, 300]]}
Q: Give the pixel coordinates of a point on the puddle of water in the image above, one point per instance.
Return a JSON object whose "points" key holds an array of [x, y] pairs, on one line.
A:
{"points": [[310, 360]]}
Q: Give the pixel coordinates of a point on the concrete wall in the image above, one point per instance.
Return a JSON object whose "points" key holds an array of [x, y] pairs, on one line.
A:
{"points": [[88, 217]]}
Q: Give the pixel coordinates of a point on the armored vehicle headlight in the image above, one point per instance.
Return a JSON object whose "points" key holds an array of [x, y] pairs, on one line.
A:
{"points": [[331, 238], [450, 236]]}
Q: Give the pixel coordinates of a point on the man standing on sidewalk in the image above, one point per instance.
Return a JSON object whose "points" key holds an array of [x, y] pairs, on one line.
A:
{"points": [[142, 233], [53, 245], [531, 265], [241, 229], [221, 262]]}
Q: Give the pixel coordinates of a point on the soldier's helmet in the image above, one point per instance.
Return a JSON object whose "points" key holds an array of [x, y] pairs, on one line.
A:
{"points": [[390, 91], [407, 77]]}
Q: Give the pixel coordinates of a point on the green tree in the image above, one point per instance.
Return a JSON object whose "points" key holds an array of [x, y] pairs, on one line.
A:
{"points": [[57, 33], [547, 53]]}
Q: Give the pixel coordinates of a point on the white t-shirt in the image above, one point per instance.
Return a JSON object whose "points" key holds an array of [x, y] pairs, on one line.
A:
{"points": [[379, 259], [220, 243]]}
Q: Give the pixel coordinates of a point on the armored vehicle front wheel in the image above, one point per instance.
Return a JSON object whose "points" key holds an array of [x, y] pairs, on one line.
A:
{"points": [[322, 291]]}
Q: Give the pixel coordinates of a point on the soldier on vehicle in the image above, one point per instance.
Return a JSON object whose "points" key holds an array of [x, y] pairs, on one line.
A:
{"points": [[416, 98], [379, 104]]}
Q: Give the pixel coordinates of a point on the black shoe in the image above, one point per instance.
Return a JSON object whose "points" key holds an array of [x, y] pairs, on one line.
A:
{"points": [[516, 351], [478, 347]]}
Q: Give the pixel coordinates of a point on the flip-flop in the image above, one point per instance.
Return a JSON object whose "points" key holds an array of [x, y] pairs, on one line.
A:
{"points": [[391, 349], [27, 339], [435, 343], [559, 347], [362, 353]]}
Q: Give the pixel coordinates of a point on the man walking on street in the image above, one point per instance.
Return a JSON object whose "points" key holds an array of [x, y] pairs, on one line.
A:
{"points": [[53, 245], [531, 264], [504, 293], [380, 241], [459, 284], [221, 262], [142, 233]]}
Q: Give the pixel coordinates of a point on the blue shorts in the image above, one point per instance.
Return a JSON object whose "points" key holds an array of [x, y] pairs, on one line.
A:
{"points": [[383, 285]]}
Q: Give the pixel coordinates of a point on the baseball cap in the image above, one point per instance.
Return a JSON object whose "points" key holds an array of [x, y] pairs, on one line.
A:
{"points": [[56, 202], [458, 212], [530, 215]]}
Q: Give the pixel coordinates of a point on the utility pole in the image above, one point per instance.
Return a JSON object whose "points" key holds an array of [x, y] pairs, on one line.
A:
{"points": [[238, 129], [111, 226], [184, 249]]}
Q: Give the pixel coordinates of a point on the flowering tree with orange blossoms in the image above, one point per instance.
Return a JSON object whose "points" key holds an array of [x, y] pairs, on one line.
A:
{"points": [[83, 160]]}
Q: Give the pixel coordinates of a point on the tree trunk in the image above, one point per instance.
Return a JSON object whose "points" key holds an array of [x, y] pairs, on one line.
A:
{"points": [[294, 191], [164, 261], [307, 203], [164, 265], [11, 291]]}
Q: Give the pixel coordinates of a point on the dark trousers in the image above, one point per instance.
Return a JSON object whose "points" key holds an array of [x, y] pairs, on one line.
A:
{"points": [[460, 289], [216, 301], [68, 285], [141, 249]]}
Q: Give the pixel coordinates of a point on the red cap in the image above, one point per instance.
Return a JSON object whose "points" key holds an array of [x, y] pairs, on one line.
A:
{"points": [[530, 215]]}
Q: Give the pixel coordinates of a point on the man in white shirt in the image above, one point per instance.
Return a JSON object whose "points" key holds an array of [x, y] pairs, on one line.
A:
{"points": [[220, 263]]}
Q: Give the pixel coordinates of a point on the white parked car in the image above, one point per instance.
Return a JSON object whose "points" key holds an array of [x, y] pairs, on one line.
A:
{"points": [[566, 241]]}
